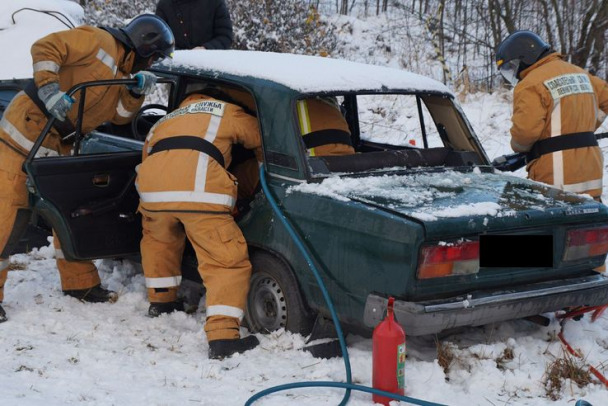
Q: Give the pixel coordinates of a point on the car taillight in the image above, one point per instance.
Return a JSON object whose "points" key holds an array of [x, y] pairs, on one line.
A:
{"points": [[447, 259], [584, 243]]}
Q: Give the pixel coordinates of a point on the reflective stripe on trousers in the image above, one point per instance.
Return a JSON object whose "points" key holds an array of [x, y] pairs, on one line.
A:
{"points": [[165, 282], [222, 310]]}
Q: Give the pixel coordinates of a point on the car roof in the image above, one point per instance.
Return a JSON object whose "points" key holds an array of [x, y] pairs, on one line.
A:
{"points": [[301, 73]]}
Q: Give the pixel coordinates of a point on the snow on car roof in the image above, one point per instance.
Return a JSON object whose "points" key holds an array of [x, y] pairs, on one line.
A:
{"points": [[305, 73]]}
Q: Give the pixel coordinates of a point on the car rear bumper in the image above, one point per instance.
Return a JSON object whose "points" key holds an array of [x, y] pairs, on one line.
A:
{"points": [[479, 308]]}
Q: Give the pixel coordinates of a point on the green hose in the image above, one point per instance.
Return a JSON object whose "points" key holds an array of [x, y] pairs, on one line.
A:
{"points": [[348, 385]]}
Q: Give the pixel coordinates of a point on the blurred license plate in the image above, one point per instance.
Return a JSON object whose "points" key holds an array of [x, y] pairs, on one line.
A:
{"points": [[516, 251]]}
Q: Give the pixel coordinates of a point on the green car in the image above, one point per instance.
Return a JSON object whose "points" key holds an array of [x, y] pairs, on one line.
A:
{"points": [[418, 213]]}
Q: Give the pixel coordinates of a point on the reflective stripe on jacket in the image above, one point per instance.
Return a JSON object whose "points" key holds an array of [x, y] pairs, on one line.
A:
{"points": [[554, 98], [185, 179], [71, 57]]}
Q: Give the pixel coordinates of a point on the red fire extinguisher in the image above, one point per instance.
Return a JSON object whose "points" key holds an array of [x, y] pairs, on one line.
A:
{"points": [[388, 356]]}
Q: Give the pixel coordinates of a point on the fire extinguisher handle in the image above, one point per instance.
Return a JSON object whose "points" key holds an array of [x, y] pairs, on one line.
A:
{"points": [[389, 306]]}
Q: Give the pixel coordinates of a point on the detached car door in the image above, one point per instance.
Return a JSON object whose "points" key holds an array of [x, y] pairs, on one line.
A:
{"points": [[89, 198]]}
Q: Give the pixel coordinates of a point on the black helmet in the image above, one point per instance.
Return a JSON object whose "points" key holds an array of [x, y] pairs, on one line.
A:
{"points": [[517, 52], [150, 36]]}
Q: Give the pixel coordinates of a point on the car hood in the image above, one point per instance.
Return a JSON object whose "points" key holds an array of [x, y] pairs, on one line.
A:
{"points": [[450, 201]]}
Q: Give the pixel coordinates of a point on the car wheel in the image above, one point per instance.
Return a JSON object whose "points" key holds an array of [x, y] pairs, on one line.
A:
{"points": [[274, 300]]}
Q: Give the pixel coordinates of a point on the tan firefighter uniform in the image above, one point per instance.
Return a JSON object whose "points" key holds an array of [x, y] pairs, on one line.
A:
{"points": [[320, 114], [554, 98], [185, 193], [67, 57]]}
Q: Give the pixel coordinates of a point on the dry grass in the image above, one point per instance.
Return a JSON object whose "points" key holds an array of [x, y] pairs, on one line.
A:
{"points": [[506, 356], [562, 369], [445, 356], [17, 266]]}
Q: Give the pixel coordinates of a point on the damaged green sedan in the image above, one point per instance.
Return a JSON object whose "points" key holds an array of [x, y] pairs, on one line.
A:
{"points": [[418, 213]]}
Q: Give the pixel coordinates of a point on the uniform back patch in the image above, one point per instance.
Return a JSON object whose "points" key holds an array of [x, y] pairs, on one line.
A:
{"points": [[568, 84], [215, 108]]}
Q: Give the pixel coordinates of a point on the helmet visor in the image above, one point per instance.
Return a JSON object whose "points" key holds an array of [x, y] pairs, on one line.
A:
{"points": [[508, 70]]}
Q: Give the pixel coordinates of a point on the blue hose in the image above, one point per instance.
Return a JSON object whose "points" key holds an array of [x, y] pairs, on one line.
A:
{"points": [[348, 385]]}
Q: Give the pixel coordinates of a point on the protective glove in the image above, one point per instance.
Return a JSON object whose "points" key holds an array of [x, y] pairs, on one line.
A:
{"points": [[145, 83], [56, 102]]}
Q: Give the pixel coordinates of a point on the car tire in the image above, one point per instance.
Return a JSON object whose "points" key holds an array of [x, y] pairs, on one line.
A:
{"points": [[274, 300]]}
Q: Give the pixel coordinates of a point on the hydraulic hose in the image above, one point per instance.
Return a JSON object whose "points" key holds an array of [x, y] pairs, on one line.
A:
{"points": [[348, 385]]}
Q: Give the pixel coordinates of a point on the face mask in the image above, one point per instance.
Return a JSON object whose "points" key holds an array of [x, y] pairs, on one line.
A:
{"points": [[141, 63], [158, 58], [508, 70]]}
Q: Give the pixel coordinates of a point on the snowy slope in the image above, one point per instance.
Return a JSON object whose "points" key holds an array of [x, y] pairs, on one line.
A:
{"points": [[57, 351]]}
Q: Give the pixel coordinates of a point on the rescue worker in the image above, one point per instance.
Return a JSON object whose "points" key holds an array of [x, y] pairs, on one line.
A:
{"points": [[60, 61], [557, 106], [186, 192], [324, 130]]}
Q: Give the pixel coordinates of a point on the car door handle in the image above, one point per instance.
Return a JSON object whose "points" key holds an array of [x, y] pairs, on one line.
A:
{"points": [[97, 208], [101, 180], [104, 206]]}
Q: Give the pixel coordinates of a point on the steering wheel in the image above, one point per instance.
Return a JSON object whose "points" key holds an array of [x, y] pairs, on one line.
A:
{"points": [[141, 124]]}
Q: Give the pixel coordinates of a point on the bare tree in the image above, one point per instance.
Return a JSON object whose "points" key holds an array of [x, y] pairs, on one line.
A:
{"points": [[464, 33], [381, 6], [591, 37], [344, 7]]}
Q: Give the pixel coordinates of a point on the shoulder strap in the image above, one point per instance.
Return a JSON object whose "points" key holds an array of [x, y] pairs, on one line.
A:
{"points": [[65, 128]]}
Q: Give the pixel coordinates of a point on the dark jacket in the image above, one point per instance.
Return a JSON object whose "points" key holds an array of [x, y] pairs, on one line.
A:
{"points": [[197, 22]]}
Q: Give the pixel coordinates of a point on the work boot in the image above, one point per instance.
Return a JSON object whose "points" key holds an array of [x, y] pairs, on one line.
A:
{"points": [[219, 349], [3, 317], [96, 294], [156, 309]]}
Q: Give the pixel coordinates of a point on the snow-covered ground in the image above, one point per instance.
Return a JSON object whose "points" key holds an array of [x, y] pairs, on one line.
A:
{"points": [[55, 350]]}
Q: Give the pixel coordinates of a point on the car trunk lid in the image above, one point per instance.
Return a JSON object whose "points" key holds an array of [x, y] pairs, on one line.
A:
{"points": [[448, 202], [455, 205]]}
